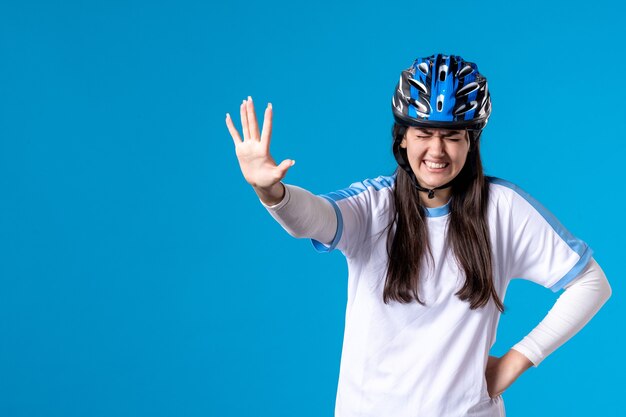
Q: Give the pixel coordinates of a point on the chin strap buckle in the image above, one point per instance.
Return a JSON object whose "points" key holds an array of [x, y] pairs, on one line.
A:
{"points": [[431, 194]]}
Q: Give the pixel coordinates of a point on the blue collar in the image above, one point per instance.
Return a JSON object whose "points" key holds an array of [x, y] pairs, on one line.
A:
{"points": [[438, 211]]}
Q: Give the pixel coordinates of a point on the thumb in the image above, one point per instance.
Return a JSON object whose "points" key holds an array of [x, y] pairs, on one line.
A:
{"points": [[284, 166]]}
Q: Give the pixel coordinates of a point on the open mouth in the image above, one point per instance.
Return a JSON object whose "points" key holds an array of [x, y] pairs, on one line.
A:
{"points": [[436, 166]]}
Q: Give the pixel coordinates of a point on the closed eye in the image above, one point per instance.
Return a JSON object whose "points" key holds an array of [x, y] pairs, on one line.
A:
{"points": [[452, 139]]}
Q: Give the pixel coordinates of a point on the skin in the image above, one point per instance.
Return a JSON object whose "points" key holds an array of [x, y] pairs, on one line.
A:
{"points": [[439, 146], [502, 372], [253, 152], [264, 175]]}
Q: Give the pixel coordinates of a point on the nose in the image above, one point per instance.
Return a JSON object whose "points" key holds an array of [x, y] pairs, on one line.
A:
{"points": [[437, 146]]}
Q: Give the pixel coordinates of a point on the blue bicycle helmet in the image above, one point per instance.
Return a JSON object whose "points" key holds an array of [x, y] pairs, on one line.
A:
{"points": [[442, 91]]}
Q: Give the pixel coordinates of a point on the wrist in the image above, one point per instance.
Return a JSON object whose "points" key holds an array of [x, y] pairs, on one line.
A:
{"points": [[271, 195]]}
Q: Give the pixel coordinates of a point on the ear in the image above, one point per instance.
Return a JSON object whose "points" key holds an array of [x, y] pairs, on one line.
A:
{"points": [[403, 143]]}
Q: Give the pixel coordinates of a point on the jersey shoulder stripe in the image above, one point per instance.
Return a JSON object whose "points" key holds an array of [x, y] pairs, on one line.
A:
{"points": [[580, 247], [357, 188], [379, 183]]}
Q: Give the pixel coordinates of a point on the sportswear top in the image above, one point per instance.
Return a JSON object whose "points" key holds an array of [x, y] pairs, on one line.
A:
{"points": [[413, 360]]}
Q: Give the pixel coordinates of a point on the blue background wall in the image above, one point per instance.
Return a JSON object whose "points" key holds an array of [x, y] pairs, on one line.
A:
{"points": [[139, 274]]}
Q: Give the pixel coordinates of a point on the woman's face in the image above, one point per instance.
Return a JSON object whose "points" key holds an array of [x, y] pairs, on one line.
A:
{"points": [[436, 156]]}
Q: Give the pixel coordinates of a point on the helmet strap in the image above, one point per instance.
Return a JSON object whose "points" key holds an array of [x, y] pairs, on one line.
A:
{"points": [[430, 191]]}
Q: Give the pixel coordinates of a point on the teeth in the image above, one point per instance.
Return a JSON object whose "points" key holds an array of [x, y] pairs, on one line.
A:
{"points": [[434, 165]]}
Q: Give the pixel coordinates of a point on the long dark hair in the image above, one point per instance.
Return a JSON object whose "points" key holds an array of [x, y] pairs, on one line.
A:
{"points": [[467, 234]]}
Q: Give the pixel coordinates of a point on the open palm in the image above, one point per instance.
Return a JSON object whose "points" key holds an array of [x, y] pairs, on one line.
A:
{"points": [[253, 152]]}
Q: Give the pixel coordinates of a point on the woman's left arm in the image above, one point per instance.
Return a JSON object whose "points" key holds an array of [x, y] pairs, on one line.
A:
{"points": [[580, 301]]}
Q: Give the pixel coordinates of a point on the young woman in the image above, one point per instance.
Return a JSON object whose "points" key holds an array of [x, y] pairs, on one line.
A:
{"points": [[431, 250]]}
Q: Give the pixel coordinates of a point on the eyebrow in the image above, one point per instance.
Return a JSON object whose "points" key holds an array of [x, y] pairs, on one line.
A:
{"points": [[430, 132]]}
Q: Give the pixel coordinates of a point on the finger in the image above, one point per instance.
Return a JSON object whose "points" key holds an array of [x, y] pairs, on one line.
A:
{"points": [[233, 130], [252, 123], [284, 166], [267, 126], [244, 121]]}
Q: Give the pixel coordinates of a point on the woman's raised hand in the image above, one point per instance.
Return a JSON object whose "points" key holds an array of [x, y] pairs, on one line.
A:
{"points": [[253, 152]]}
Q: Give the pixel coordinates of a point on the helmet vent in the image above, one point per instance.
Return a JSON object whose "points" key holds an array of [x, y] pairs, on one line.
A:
{"points": [[420, 106], [466, 70], [421, 87], [464, 108], [423, 67], [440, 102], [467, 89], [443, 72]]}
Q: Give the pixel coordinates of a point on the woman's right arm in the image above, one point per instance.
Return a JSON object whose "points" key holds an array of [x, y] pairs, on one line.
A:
{"points": [[299, 212], [305, 215]]}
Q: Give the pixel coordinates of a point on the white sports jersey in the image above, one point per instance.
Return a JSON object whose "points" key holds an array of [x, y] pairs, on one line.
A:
{"points": [[410, 360]]}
